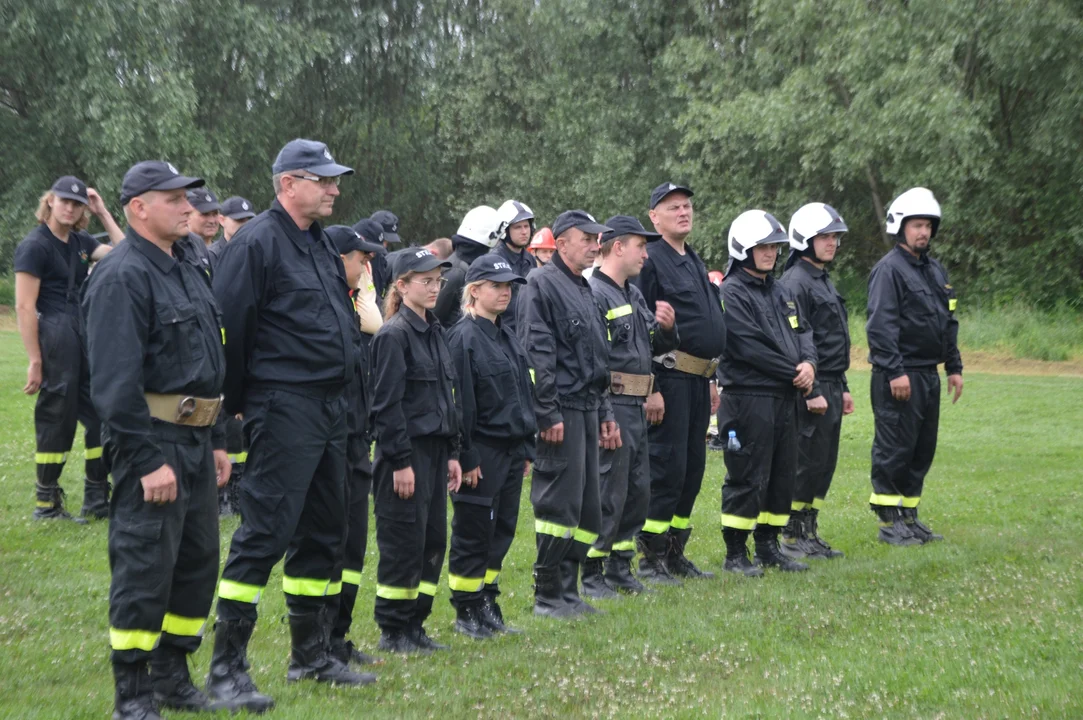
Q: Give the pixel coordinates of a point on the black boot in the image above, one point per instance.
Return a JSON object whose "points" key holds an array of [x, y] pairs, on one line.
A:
{"points": [[548, 601], [172, 684], [919, 529], [820, 547], [492, 616], [468, 622], [399, 641], [134, 698], [792, 543], [768, 553], [737, 553], [310, 652], [652, 546], [569, 583], [893, 529], [618, 575], [348, 653], [418, 635], [594, 584], [50, 506], [675, 560], [228, 685], [95, 499]]}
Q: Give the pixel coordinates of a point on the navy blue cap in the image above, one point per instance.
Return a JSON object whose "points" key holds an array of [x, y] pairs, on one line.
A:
{"points": [[492, 267], [413, 260], [203, 200], [149, 175], [389, 221], [237, 208], [580, 219], [627, 225], [373, 233], [346, 240], [310, 155], [70, 188], [660, 192]]}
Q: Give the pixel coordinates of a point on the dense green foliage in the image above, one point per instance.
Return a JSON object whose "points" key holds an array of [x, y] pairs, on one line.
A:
{"points": [[446, 104]]}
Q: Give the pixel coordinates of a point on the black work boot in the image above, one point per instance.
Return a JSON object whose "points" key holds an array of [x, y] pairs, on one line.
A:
{"points": [[134, 699], [310, 652], [893, 529], [548, 600], [347, 652], [492, 616], [594, 584], [677, 562], [820, 547], [768, 553], [792, 543], [95, 499], [919, 529], [652, 546], [418, 635], [50, 506], [569, 582], [228, 685], [399, 641], [618, 575], [737, 561], [172, 683], [468, 622]]}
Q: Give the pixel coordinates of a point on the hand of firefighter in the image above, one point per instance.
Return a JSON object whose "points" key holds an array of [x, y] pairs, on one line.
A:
{"points": [[33, 378], [664, 315], [955, 382], [403, 481], [470, 479], [554, 435], [455, 476], [847, 403], [160, 487], [805, 375], [900, 388], [610, 436], [655, 408], [526, 468], [222, 468], [817, 405]]}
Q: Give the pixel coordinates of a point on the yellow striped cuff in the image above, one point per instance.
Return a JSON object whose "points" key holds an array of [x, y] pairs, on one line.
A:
{"points": [[799, 506], [584, 536], [179, 625], [465, 584], [238, 591], [737, 522], [351, 577], [93, 453], [491, 575], [766, 518], [388, 592], [427, 588], [50, 458], [886, 500], [817, 503], [133, 639], [543, 527], [624, 546], [656, 527], [592, 553], [309, 587], [680, 523], [911, 502]]}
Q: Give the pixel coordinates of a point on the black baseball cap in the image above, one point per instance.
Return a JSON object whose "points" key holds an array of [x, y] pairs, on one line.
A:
{"points": [[493, 267], [660, 192], [310, 155], [414, 260], [627, 225], [346, 240], [237, 208], [580, 219], [203, 200], [70, 188], [389, 221], [149, 175], [371, 232]]}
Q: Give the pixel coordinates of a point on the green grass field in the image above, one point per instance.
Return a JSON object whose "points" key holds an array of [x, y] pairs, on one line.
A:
{"points": [[985, 625]]}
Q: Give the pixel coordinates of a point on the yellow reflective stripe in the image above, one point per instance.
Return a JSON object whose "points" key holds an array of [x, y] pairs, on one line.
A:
{"points": [[309, 587], [44, 504], [133, 639], [465, 584], [93, 453], [817, 503], [543, 527], [427, 588], [656, 527], [178, 625], [952, 304], [592, 553], [50, 458], [911, 502], [680, 523], [584, 536], [799, 506], [334, 588], [624, 546], [766, 518], [241, 457], [491, 576], [532, 376], [618, 312], [387, 592], [737, 522], [793, 321], [223, 335], [351, 577], [238, 591], [886, 500]]}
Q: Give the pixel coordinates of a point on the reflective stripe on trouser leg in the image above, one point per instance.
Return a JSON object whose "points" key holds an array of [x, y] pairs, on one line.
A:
{"points": [[56, 408], [471, 532], [559, 484], [505, 509], [904, 443], [614, 472]]}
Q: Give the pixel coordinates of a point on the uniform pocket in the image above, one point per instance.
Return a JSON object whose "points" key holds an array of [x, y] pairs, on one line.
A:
{"points": [[739, 464], [260, 507], [390, 506], [181, 337], [135, 545]]}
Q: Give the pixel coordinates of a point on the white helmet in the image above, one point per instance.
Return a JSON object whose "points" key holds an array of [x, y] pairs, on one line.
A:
{"points": [[514, 211], [812, 220], [915, 202], [483, 226], [752, 228]]}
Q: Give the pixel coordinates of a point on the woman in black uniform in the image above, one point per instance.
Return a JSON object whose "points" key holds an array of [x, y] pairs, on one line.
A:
{"points": [[417, 450], [497, 444]]}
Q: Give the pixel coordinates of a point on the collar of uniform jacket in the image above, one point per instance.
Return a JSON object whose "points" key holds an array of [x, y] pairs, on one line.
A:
{"points": [[161, 260], [750, 279], [487, 326], [559, 262], [299, 237], [915, 261], [415, 320], [810, 268], [605, 278]]}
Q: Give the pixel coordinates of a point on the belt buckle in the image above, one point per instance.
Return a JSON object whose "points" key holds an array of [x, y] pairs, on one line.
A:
{"points": [[711, 367], [616, 387], [669, 360], [185, 409], [650, 385]]}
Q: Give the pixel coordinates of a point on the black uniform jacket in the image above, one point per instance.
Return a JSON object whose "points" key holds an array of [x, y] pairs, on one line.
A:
{"points": [[820, 306], [495, 391], [521, 264], [286, 308], [414, 384], [152, 326], [634, 334], [565, 339], [912, 321], [766, 339]]}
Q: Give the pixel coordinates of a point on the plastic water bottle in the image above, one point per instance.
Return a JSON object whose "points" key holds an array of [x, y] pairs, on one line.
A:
{"points": [[733, 444]]}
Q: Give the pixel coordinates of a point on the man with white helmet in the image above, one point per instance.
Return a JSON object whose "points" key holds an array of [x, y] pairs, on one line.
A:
{"points": [[911, 329], [479, 232], [769, 359], [815, 235], [513, 246]]}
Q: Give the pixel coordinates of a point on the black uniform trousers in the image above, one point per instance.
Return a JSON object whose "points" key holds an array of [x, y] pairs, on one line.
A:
{"points": [[817, 448], [63, 401], [759, 480], [358, 488], [163, 558], [905, 440], [411, 535], [293, 501], [625, 483], [484, 522], [678, 450], [564, 491]]}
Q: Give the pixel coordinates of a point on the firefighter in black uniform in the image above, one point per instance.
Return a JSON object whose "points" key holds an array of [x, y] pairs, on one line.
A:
{"points": [[289, 359], [154, 344], [564, 337], [635, 335], [51, 264], [417, 447], [235, 212], [911, 328], [685, 378], [769, 359], [478, 233], [518, 221], [497, 444], [815, 235], [389, 231]]}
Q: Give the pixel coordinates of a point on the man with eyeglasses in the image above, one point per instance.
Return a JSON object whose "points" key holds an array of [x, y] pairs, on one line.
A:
{"points": [[288, 326]]}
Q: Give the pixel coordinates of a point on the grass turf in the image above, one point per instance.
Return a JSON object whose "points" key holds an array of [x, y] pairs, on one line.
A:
{"points": [[986, 624]]}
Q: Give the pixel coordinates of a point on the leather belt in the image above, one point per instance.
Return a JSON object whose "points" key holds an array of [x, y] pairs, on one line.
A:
{"points": [[683, 362], [184, 409], [635, 385]]}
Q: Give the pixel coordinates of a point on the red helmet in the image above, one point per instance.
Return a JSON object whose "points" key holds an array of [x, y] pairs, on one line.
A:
{"points": [[543, 240], [716, 276]]}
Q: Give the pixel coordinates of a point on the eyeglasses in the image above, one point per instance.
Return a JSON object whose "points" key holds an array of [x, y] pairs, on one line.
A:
{"points": [[321, 181], [427, 283]]}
